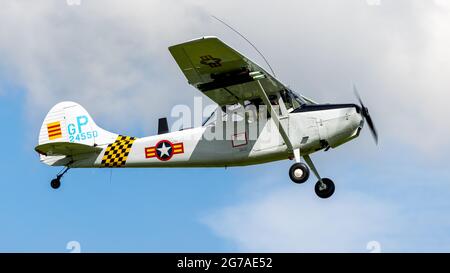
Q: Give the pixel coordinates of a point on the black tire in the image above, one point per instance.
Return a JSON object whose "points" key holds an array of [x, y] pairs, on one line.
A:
{"points": [[328, 191], [55, 183], [296, 176]]}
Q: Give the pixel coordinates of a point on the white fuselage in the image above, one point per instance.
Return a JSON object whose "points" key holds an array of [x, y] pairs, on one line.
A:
{"points": [[249, 144]]}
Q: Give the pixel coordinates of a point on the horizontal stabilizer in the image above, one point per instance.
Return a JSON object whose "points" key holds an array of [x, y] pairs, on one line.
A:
{"points": [[65, 148]]}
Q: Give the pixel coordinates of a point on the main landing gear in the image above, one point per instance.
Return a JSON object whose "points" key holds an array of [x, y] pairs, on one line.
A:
{"points": [[299, 173], [56, 182]]}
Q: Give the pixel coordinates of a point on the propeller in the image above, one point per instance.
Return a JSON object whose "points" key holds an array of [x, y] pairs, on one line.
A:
{"points": [[365, 114]]}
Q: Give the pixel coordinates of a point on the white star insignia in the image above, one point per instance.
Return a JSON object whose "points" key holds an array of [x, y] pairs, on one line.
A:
{"points": [[164, 150]]}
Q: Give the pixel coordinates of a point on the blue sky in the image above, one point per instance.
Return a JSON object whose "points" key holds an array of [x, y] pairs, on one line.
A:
{"points": [[117, 65]]}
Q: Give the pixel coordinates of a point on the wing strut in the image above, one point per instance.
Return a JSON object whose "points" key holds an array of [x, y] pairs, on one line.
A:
{"points": [[257, 75]]}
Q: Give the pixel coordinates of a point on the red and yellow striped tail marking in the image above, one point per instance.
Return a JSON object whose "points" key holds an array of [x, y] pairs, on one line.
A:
{"points": [[54, 130]]}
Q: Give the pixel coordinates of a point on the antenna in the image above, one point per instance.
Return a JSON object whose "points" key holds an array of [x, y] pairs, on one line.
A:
{"points": [[259, 52]]}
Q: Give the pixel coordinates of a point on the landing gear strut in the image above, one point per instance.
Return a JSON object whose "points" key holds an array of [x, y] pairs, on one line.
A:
{"points": [[56, 182], [324, 187]]}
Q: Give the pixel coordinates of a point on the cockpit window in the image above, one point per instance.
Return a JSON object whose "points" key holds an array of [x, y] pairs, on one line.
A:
{"points": [[233, 112], [292, 100]]}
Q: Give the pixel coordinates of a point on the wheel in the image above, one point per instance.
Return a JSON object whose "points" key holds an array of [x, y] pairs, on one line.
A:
{"points": [[327, 191], [299, 173], [56, 183]]}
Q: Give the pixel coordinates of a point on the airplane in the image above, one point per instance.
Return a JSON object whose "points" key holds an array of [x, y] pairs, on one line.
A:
{"points": [[295, 127]]}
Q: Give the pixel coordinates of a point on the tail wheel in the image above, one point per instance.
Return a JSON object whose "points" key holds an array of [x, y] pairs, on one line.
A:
{"points": [[55, 183], [326, 189], [299, 173]]}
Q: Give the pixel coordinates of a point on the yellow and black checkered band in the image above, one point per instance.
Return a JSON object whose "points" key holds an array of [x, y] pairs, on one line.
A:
{"points": [[116, 153]]}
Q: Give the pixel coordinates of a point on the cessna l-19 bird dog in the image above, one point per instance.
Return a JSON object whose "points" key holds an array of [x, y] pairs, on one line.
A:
{"points": [[295, 126]]}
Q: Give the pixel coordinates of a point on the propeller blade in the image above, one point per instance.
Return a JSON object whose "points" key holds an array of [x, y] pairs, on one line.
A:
{"points": [[366, 115], [373, 130], [355, 91]]}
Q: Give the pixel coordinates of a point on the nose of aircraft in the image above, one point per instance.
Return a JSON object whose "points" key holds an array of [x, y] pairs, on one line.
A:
{"points": [[360, 118]]}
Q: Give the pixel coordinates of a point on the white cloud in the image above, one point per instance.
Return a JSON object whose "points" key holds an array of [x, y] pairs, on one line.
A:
{"points": [[110, 56], [395, 52], [295, 220]]}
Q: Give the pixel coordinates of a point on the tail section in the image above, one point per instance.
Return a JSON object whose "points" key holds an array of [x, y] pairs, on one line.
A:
{"points": [[68, 128]]}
